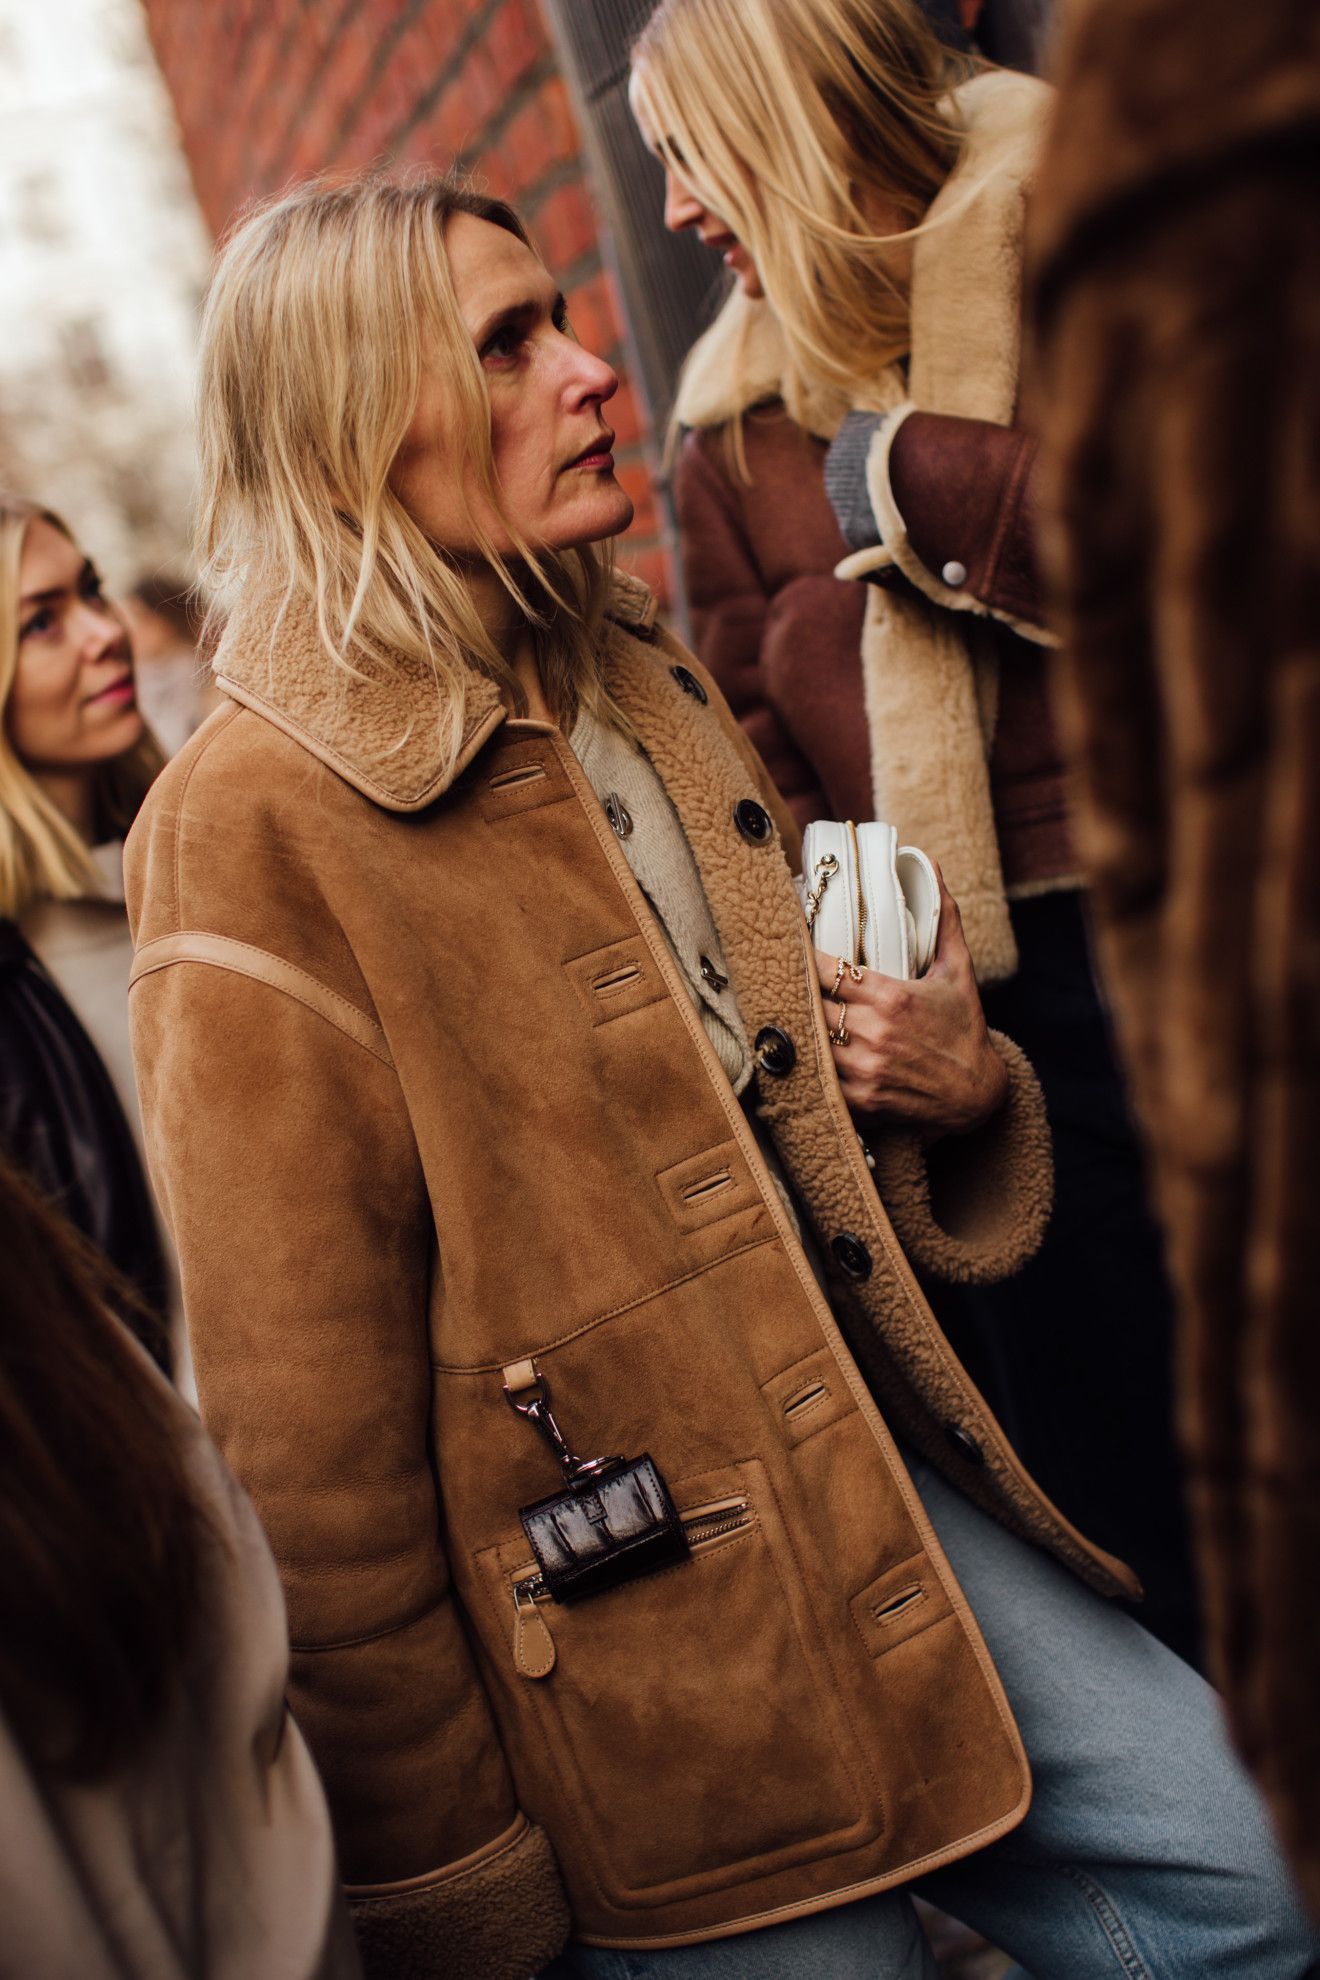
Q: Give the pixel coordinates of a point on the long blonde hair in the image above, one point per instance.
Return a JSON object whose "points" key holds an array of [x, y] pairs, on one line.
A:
{"points": [[42, 855], [323, 306], [784, 116]]}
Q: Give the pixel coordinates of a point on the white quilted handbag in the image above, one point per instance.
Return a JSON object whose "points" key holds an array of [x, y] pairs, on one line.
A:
{"points": [[867, 898]]}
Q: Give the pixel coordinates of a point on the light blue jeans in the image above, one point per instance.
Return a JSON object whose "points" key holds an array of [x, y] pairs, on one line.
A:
{"points": [[1146, 1854]]}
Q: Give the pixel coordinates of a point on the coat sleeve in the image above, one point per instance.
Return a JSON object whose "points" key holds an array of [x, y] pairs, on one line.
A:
{"points": [[948, 503], [284, 1160], [973, 1208]]}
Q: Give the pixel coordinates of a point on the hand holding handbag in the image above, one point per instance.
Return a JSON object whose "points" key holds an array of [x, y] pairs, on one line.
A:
{"points": [[868, 899]]}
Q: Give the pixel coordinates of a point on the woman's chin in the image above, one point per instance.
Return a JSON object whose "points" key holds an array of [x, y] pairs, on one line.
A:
{"points": [[609, 513]]}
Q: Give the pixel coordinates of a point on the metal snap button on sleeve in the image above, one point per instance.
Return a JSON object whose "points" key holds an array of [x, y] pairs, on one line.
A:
{"points": [[954, 573], [753, 821]]}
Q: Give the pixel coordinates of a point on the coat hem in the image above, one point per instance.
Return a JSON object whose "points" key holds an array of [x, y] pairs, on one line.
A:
{"points": [[761, 1921]]}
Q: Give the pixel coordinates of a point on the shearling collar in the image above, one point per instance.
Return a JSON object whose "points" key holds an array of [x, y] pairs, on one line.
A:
{"points": [[966, 284], [378, 728]]}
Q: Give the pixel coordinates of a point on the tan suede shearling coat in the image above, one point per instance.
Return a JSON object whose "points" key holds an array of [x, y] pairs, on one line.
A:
{"points": [[424, 1095]]}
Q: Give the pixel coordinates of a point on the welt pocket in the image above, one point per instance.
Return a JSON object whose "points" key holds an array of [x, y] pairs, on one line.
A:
{"points": [[711, 1524]]}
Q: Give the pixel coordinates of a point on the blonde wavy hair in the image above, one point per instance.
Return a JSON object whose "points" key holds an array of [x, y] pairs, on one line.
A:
{"points": [[788, 118], [43, 856], [325, 305]]}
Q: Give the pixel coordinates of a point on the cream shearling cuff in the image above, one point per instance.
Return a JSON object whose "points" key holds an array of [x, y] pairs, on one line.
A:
{"points": [[973, 1208]]}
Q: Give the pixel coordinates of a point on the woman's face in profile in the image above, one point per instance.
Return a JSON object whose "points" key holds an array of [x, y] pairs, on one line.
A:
{"points": [[550, 439], [72, 703], [686, 212]]}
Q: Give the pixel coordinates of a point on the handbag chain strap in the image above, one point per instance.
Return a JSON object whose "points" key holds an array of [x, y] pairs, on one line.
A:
{"points": [[826, 869]]}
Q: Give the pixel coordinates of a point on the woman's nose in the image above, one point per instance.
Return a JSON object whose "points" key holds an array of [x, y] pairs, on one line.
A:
{"points": [[593, 378], [100, 630], [682, 207]]}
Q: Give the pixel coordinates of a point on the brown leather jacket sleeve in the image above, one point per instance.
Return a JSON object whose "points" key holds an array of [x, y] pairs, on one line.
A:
{"points": [[966, 491], [775, 627]]}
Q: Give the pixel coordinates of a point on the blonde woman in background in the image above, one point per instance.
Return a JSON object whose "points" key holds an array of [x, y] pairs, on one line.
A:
{"points": [[76, 761], [867, 188], [483, 1060]]}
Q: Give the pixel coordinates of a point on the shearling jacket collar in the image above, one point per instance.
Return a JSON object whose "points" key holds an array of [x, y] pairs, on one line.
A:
{"points": [[966, 270], [378, 727]]}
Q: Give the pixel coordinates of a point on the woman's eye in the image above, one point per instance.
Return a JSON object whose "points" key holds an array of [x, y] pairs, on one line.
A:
{"points": [[503, 345], [92, 587], [40, 622]]}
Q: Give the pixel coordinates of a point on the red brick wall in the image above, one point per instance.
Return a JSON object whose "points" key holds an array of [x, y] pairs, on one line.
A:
{"points": [[269, 91]]}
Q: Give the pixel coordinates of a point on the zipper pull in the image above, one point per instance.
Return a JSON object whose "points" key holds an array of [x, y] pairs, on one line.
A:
{"points": [[533, 1645]]}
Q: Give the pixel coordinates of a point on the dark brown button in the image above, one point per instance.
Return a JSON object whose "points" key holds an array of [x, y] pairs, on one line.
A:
{"points": [[964, 1443], [753, 821], [689, 683], [775, 1051], [852, 1255], [618, 814], [713, 976]]}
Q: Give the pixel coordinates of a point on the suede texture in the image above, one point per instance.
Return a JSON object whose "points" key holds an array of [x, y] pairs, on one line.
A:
{"points": [[934, 712], [522, 1144], [1178, 326]]}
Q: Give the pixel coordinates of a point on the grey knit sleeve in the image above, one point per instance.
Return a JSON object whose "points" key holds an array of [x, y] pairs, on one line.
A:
{"points": [[845, 479]]}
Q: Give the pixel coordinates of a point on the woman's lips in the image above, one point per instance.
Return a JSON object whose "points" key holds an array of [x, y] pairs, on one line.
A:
{"points": [[118, 692], [598, 456]]}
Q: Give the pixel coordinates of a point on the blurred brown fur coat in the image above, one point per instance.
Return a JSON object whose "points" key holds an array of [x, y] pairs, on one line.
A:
{"points": [[1178, 315]]}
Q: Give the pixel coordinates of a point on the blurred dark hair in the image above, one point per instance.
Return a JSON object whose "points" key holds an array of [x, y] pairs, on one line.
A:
{"points": [[99, 1528], [175, 600]]}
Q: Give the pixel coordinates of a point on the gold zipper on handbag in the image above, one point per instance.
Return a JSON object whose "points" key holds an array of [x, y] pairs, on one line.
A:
{"points": [[861, 898]]}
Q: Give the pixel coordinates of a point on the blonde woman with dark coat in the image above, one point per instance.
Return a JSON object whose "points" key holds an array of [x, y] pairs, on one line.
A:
{"points": [[76, 760], [870, 350], [540, 1291]]}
